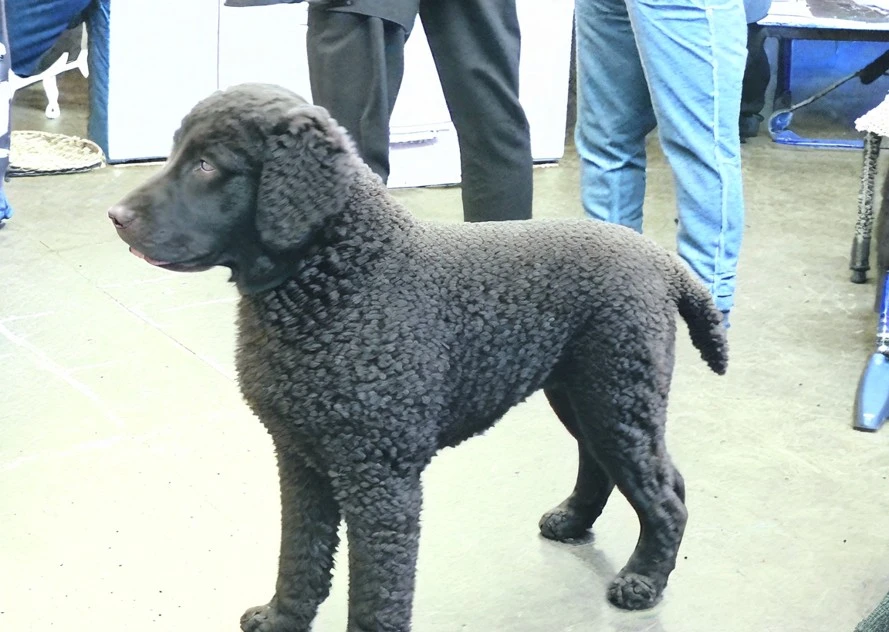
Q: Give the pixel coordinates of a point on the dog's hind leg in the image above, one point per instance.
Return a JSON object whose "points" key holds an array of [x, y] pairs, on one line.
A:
{"points": [[644, 474], [619, 390], [574, 516], [309, 521], [633, 452], [382, 512]]}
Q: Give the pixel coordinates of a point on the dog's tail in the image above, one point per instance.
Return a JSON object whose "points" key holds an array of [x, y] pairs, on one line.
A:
{"points": [[704, 321]]}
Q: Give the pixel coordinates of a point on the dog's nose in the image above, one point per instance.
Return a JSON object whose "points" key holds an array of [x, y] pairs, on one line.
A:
{"points": [[121, 216]]}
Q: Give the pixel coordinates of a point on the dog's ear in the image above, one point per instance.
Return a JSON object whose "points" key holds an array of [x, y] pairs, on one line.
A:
{"points": [[305, 177]]}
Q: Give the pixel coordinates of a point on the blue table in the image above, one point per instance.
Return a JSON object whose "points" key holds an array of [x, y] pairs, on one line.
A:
{"points": [[790, 20]]}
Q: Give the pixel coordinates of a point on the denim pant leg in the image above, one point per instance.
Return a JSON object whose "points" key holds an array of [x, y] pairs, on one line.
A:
{"points": [[614, 113], [694, 53]]}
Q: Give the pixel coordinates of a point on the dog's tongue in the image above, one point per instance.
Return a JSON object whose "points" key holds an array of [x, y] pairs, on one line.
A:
{"points": [[153, 262]]}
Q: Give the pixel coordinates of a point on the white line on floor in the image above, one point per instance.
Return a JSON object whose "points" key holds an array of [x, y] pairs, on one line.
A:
{"points": [[59, 371]]}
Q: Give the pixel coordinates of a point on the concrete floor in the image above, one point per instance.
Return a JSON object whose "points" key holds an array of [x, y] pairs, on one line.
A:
{"points": [[138, 492]]}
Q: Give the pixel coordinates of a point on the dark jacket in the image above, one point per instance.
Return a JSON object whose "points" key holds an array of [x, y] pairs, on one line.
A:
{"points": [[402, 12]]}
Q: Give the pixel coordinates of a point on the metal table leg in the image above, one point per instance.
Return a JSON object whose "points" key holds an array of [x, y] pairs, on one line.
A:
{"points": [[860, 260]]}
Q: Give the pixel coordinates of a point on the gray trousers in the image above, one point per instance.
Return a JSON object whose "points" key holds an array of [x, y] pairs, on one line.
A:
{"points": [[356, 63]]}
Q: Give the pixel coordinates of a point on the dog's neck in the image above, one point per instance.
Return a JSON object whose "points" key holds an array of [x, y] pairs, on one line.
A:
{"points": [[369, 223], [258, 271]]}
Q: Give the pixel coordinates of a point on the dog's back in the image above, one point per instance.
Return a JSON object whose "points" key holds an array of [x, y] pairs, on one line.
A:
{"points": [[572, 274]]}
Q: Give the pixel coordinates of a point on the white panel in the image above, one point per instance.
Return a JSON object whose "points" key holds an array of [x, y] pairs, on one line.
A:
{"points": [[424, 149], [163, 60], [425, 164], [265, 44], [420, 101], [544, 73]]}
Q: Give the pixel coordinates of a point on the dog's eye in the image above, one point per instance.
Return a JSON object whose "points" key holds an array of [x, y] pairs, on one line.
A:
{"points": [[206, 167]]}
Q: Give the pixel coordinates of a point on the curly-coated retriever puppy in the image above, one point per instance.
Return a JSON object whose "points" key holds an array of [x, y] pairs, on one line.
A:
{"points": [[369, 341]]}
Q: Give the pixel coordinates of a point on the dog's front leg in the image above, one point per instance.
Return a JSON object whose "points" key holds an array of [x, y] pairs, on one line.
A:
{"points": [[382, 513], [309, 521]]}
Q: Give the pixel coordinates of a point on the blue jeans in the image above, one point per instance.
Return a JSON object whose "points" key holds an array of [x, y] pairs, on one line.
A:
{"points": [[676, 65], [35, 26]]}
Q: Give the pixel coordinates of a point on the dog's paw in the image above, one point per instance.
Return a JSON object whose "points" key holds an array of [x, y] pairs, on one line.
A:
{"points": [[267, 619], [632, 591], [565, 524]]}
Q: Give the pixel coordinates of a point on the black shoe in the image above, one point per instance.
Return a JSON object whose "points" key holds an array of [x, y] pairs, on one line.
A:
{"points": [[748, 125]]}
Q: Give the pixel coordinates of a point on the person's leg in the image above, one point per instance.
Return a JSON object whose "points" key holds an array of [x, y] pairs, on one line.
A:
{"points": [[475, 45], [756, 81], [614, 113], [697, 112], [34, 28], [6, 110], [356, 63]]}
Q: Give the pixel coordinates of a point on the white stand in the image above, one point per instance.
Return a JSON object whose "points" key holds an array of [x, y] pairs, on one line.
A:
{"points": [[48, 77]]}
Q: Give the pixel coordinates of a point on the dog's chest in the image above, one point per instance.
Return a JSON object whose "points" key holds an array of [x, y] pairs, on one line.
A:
{"points": [[281, 368], [298, 363]]}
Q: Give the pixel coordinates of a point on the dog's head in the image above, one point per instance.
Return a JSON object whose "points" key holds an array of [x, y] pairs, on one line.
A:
{"points": [[255, 170]]}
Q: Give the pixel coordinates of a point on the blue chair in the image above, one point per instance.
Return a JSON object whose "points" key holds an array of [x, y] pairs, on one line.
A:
{"points": [[872, 399]]}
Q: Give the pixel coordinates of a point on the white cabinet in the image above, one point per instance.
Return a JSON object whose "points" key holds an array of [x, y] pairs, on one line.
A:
{"points": [[544, 72]]}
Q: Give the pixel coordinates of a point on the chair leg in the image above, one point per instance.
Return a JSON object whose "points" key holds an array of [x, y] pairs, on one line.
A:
{"points": [[860, 260], [872, 397], [51, 89]]}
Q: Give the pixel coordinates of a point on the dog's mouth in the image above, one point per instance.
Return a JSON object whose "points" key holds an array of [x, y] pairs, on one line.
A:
{"points": [[147, 259], [181, 266]]}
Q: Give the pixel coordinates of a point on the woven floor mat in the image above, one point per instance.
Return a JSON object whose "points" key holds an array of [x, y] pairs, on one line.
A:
{"points": [[35, 153]]}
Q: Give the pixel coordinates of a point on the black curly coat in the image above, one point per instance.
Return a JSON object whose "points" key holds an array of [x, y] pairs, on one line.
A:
{"points": [[369, 340]]}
